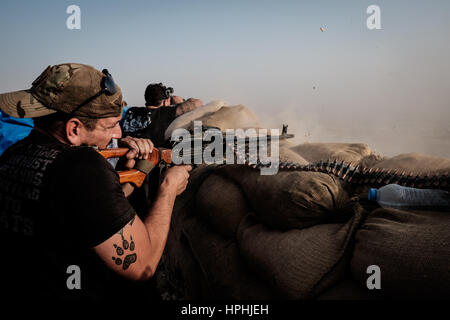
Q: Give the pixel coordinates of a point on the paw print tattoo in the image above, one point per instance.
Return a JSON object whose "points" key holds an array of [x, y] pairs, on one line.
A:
{"points": [[121, 250]]}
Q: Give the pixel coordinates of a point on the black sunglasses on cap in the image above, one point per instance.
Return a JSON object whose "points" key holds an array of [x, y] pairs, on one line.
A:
{"points": [[108, 87]]}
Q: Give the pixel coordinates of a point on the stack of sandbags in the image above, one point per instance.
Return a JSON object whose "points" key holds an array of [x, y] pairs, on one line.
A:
{"points": [[298, 239], [288, 255], [246, 244]]}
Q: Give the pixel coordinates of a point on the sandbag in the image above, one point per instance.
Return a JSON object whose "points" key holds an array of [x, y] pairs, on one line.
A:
{"points": [[412, 249], [223, 271], [288, 155], [185, 120], [178, 272], [184, 205], [416, 163], [371, 160], [291, 199], [221, 203], [285, 154], [347, 152], [299, 264], [232, 117]]}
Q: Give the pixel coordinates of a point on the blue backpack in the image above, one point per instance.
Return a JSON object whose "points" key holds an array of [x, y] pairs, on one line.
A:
{"points": [[13, 130]]}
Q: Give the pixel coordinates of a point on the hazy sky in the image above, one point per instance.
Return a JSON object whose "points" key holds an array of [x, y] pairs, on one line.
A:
{"points": [[388, 88]]}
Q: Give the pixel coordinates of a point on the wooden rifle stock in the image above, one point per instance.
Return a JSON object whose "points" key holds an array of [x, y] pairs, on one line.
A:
{"points": [[135, 176]]}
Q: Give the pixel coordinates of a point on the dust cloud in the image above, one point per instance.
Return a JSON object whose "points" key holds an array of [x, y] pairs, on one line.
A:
{"points": [[387, 137]]}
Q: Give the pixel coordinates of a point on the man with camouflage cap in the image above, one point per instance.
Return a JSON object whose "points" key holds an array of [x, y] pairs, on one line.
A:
{"points": [[62, 207]]}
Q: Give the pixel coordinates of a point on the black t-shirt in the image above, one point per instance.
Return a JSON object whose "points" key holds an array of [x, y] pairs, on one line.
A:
{"points": [[147, 123], [56, 203]]}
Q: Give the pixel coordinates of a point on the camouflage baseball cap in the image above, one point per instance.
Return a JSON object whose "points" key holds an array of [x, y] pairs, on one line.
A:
{"points": [[64, 88]]}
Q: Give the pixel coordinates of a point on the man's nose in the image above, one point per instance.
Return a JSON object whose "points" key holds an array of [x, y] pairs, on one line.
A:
{"points": [[117, 133]]}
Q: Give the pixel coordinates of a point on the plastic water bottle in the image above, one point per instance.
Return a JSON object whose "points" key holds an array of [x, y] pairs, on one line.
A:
{"points": [[399, 197]]}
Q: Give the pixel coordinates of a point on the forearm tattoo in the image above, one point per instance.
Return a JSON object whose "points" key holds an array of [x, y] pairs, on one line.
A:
{"points": [[125, 248]]}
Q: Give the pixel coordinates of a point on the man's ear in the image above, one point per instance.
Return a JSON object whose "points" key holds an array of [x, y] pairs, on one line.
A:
{"points": [[74, 131]]}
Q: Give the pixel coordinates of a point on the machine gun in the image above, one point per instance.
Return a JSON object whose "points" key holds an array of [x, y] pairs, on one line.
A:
{"points": [[162, 157]]}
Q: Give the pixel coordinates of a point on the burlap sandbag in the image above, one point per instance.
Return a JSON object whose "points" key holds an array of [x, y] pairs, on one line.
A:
{"points": [[299, 264], [184, 206], [288, 155], [348, 152], [222, 268], [291, 199], [232, 117], [416, 163], [412, 250], [285, 154], [221, 203], [185, 120], [178, 270], [371, 160]]}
